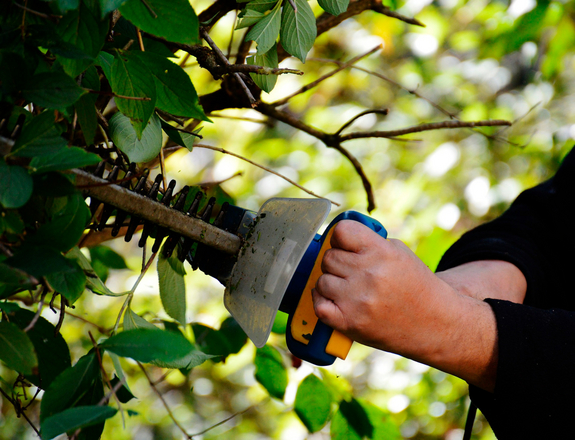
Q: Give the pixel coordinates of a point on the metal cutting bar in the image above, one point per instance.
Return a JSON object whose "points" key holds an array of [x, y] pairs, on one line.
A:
{"points": [[157, 213]]}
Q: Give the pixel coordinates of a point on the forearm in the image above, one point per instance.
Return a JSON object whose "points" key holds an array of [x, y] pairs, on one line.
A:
{"points": [[487, 279]]}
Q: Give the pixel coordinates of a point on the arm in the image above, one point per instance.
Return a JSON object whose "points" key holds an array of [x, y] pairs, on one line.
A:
{"points": [[379, 293]]}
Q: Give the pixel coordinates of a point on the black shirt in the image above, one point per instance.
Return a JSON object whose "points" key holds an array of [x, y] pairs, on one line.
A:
{"points": [[534, 395]]}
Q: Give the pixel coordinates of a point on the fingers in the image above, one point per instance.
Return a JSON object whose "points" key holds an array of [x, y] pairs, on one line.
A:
{"points": [[353, 236], [339, 262], [326, 310]]}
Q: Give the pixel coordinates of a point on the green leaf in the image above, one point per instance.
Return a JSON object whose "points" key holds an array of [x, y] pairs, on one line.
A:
{"points": [[70, 283], [93, 281], [265, 32], [54, 90], [358, 419], [16, 349], [125, 138], [249, 17], [40, 137], [175, 20], [14, 280], [298, 29], [105, 61], [334, 7], [268, 59], [233, 334], [84, 30], [271, 371], [351, 421], [107, 6], [53, 184], [130, 77], [86, 105], [172, 286], [134, 321], [66, 225], [260, 5], [64, 159], [74, 418], [124, 394], [68, 388], [180, 137], [51, 348], [38, 261], [67, 5], [108, 256], [313, 403], [212, 341], [147, 345], [280, 323], [16, 186], [174, 90]]}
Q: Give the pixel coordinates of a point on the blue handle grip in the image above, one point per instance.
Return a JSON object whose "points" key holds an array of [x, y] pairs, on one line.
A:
{"points": [[315, 350]]}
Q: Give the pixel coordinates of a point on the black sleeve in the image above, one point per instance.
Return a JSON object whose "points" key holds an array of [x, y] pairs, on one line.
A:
{"points": [[536, 367]]}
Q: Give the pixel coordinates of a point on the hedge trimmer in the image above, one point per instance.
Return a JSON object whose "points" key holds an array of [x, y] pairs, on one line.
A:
{"points": [[267, 261]]}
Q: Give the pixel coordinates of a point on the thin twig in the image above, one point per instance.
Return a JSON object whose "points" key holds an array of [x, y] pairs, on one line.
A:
{"points": [[21, 412], [104, 374], [423, 127], [140, 40], [226, 62], [221, 150], [170, 414], [218, 182], [324, 77], [131, 294], [32, 323], [115, 95], [33, 12], [223, 421], [392, 82], [356, 117], [63, 304]]}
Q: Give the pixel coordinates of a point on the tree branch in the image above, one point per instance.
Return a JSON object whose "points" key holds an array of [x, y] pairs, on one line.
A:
{"points": [[423, 127], [312, 84]]}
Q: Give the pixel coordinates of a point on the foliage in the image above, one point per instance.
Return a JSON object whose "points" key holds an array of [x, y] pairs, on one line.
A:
{"points": [[83, 81]]}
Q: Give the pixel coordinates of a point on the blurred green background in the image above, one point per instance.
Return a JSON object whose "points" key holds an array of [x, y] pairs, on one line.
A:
{"points": [[474, 60]]}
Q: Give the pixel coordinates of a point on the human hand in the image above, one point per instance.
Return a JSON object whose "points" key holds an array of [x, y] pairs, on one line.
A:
{"points": [[375, 291], [379, 293]]}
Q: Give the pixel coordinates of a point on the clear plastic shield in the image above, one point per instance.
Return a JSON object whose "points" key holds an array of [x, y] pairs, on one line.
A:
{"points": [[283, 231]]}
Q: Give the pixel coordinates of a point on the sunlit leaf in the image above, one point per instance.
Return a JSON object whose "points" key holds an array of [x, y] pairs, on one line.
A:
{"points": [[271, 371], [174, 20], [126, 139], [358, 419], [172, 286], [313, 403], [93, 281], [334, 7], [266, 31], [16, 349], [268, 59], [298, 29], [134, 321], [147, 345]]}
